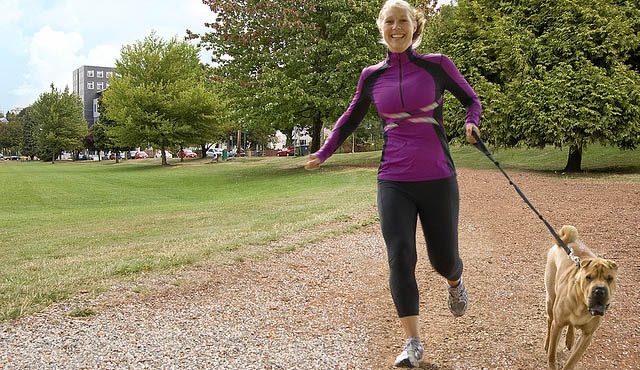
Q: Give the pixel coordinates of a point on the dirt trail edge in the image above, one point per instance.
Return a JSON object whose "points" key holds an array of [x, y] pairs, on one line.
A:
{"points": [[327, 306]]}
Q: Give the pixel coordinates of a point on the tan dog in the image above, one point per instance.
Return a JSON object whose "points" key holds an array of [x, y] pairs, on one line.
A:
{"points": [[577, 298]]}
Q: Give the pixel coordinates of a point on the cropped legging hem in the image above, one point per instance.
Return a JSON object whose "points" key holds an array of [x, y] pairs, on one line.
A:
{"points": [[436, 203]]}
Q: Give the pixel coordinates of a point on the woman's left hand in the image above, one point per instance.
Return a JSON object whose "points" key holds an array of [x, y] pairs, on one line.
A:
{"points": [[468, 129]]}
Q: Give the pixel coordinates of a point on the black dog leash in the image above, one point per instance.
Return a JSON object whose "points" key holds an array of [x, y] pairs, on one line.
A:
{"points": [[481, 147]]}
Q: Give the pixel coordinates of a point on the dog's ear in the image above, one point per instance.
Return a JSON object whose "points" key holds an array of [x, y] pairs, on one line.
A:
{"points": [[612, 265], [585, 263]]}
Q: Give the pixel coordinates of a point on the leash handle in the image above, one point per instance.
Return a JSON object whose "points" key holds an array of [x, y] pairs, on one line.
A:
{"points": [[479, 144]]}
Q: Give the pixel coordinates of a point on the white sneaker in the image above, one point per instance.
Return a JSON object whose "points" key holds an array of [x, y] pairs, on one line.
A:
{"points": [[458, 299], [412, 353]]}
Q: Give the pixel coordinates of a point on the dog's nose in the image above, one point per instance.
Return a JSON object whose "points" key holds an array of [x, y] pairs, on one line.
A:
{"points": [[599, 292]]}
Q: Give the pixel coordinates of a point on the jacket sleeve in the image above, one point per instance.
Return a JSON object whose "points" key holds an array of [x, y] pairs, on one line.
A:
{"points": [[349, 120], [460, 88]]}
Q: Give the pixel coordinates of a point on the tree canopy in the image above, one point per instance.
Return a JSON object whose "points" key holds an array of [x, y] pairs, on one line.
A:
{"points": [[292, 62], [59, 119], [161, 96], [30, 130], [561, 73], [10, 135]]}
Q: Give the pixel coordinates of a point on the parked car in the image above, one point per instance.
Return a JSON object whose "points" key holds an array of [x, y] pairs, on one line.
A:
{"points": [[141, 155], [1, 157], [233, 152], [166, 153], [187, 153], [286, 152], [113, 155], [214, 153]]}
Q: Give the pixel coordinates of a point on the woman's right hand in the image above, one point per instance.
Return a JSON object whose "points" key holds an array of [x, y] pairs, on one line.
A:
{"points": [[313, 162]]}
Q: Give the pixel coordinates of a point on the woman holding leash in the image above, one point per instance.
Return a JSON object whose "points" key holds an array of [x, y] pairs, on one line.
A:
{"points": [[416, 175]]}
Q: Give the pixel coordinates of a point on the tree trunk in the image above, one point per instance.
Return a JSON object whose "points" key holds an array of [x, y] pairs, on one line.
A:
{"points": [[239, 143], [575, 159], [203, 149], [353, 142], [315, 133], [117, 156]]}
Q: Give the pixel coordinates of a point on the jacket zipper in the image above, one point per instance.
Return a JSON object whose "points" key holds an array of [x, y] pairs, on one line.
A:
{"points": [[400, 69]]}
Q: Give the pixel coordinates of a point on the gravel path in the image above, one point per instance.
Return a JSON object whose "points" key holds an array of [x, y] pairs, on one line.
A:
{"points": [[327, 306]]}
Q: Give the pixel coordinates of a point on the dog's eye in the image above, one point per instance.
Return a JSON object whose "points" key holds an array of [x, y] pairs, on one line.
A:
{"points": [[589, 278], [610, 279]]}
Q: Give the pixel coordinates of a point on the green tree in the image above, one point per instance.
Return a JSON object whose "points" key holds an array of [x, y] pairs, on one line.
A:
{"points": [[61, 126], [160, 97], [11, 135], [101, 140], [292, 62], [29, 145], [561, 73], [204, 113]]}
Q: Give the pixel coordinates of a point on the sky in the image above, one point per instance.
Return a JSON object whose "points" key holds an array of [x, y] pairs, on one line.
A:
{"points": [[44, 41]]}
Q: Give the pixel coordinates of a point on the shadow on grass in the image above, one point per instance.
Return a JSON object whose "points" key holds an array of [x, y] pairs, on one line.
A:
{"points": [[588, 172]]}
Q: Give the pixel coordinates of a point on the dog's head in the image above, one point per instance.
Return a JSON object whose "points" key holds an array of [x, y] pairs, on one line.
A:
{"points": [[597, 281]]}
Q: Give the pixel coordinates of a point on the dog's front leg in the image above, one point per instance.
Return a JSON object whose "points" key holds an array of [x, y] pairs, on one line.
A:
{"points": [[552, 352], [581, 347], [569, 337]]}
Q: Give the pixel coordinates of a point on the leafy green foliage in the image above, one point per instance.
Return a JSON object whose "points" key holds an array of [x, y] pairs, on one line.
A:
{"points": [[10, 135], [61, 126], [30, 129], [558, 73], [292, 63], [161, 96]]}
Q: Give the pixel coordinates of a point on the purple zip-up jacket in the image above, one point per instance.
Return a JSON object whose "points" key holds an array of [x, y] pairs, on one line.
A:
{"points": [[407, 90]]}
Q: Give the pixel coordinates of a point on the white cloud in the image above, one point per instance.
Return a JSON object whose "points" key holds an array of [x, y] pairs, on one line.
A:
{"points": [[11, 12], [43, 41], [51, 54], [103, 55], [12, 38]]}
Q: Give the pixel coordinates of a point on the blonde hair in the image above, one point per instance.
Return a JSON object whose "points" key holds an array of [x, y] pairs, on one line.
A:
{"points": [[417, 17]]}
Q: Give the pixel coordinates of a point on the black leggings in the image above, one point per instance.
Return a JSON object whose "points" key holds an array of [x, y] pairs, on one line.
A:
{"points": [[399, 204]]}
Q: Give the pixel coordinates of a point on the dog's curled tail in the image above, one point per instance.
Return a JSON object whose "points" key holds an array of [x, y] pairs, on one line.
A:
{"points": [[568, 234]]}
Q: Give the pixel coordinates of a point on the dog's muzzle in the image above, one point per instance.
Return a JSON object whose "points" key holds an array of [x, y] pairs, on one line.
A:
{"points": [[598, 309], [597, 304]]}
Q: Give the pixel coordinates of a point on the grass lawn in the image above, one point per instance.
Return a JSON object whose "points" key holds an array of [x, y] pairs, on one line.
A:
{"points": [[73, 227]]}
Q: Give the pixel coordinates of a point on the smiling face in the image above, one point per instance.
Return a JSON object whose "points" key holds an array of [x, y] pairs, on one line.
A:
{"points": [[397, 28]]}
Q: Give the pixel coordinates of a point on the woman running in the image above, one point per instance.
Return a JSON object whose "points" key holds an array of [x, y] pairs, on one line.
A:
{"points": [[417, 176]]}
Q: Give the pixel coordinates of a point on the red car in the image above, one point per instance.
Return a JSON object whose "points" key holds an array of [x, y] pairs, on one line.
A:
{"points": [[285, 152], [187, 153], [141, 155]]}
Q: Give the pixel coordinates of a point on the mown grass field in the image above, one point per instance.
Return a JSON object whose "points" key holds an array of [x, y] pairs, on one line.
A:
{"points": [[81, 227]]}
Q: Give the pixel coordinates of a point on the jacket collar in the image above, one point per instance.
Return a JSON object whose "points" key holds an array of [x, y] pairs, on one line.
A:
{"points": [[399, 58]]}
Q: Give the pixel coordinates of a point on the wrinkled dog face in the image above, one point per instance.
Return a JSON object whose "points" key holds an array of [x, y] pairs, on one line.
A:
{"points": [[597, 281]]}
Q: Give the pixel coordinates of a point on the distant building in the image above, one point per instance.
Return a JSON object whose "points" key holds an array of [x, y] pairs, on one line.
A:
{"points": [[16, 111], [88, 83]]}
